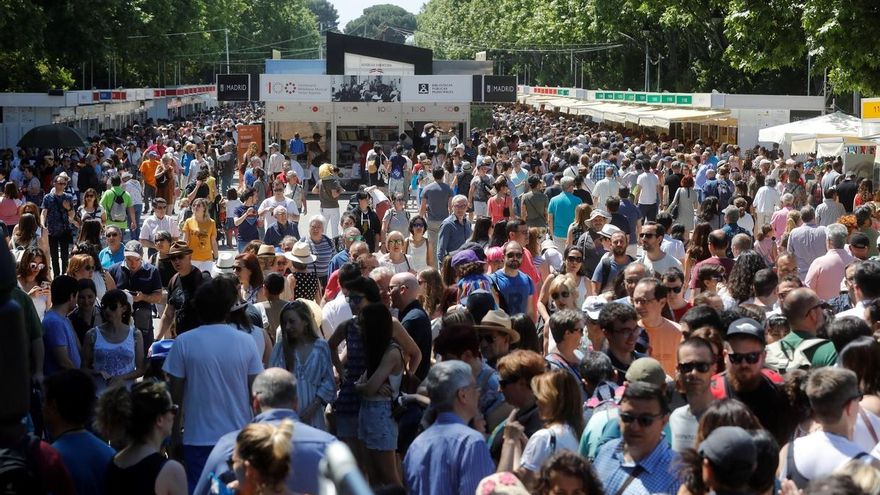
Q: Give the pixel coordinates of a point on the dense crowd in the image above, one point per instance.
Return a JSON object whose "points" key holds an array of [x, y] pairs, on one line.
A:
{"points": [[544, 306]]}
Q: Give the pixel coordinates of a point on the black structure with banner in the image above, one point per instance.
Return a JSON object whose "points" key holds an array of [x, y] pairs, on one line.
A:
{"points": [[233, 87]]}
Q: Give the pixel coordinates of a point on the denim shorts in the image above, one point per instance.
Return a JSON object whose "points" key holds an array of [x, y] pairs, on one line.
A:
{"points": [[346, 425], [376, 428]]}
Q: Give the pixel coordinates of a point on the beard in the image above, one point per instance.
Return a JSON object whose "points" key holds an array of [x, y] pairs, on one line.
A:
{"points": [[618, 251], [743, 384], [512, 265]]}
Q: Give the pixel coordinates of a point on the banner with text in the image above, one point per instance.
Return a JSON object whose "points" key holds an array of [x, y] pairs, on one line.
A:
{"points": [[431, 89], [283, 87]]}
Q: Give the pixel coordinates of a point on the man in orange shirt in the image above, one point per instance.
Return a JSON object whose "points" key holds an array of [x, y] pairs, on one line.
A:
{"points": [[148, 177], [649, 297]]}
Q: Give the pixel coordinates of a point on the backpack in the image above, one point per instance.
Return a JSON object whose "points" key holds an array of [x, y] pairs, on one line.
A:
{"points": [[720, 387], [19, 471], [724, 194], [463, 178], [782, 358], [117, 208], [605, 265]]}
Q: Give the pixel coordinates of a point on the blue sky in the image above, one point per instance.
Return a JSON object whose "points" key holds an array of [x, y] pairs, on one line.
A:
{"points": [[352, 9]]}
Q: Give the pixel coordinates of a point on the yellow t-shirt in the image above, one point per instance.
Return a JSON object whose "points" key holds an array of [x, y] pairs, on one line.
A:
{"points": [[199, 238], [212, 187]]}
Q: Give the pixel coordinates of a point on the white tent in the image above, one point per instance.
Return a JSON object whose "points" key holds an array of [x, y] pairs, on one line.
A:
{"points": [[830, 125]]}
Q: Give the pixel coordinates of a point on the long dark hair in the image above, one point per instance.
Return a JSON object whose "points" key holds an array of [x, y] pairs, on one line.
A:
{"points": [[741, 282], [499, 235], [115, 297], [481, 229], [377, 336]]}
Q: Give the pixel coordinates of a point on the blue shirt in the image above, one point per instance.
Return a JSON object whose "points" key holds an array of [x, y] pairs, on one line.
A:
{"points": [[276, 233], [109, 258], [598, 172], [515, 291], [297, 146], [87, 459], [633, 215], [449, 458], [57, 218], [336, 262], [146, 280], [562, 208], [453, 234], [247, 230], [656, 475], [308, 451], [58, 332]]}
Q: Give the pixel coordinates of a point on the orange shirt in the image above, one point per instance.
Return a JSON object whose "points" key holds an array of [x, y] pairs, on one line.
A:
{"points": [[148, 171], [664, 344]]}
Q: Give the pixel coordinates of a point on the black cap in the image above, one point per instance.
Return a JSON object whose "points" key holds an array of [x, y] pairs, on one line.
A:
{"points": [[859, 240], [731, 449], [747, 327]]}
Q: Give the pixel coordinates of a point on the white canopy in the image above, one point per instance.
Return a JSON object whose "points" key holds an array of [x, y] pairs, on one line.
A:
{"points": [[832, 124]]}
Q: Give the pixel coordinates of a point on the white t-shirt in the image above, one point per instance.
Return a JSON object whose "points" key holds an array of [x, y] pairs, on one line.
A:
{"points": [[819, 454], [231, 206], [683, 426], [541, 445], [216, 361], [271, 203], [672, 247], [333, 313], [153, 224], [647, 182], [661, 265]]}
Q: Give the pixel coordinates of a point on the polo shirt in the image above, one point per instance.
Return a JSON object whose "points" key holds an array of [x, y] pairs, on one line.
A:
{"points": [[562, 208], [821, 355]]}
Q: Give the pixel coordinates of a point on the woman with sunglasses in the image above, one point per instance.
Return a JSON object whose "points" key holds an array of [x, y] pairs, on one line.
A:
{"points": [[303, 352], [87, 314], [84, 264], [137, 422], [418, 247], [562, 294], [200, 234], [573, 270], [33, 277], [113, 352], [90, 207]]}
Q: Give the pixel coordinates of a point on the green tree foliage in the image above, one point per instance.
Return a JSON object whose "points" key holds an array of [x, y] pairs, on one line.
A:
{"points": [[378, 21], [75, 44], [325, 13]]}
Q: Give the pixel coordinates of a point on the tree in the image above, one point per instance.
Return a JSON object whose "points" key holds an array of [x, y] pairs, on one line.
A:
{"points": [[379, 22], [325, 13]]}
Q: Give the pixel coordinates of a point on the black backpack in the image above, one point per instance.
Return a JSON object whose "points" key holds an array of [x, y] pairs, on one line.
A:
{"points": [[19, 469]]}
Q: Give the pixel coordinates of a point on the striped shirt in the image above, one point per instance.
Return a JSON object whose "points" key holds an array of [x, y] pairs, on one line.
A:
{"points": [[324, 250], [652, 474]]}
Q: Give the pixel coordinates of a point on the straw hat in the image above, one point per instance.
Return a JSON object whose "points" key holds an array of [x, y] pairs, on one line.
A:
{"points": [[301, 253], [179, 247], [498, 320]]}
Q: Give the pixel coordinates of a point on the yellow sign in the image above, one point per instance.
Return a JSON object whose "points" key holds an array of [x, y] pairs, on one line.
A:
{"points": [[871, 109]]}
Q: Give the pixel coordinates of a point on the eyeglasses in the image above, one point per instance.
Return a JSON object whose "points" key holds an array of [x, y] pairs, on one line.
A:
{"points": [[38, 266], [278, 190], [89, 268], [111, 234], [487, 338], [503, 382], [557, 295], [685, 368], [418, 226], [632, 280], [647, 234], [749, 357], [513, 255], [354, 299], [643, 300], [575, 259], [676, 289], [644, 420], [177, 257], [395, 241]]}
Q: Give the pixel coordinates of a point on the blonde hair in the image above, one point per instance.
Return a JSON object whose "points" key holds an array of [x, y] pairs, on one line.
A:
{"points": [[560, 395], [267, 448], [864, 475], [565, 282], [792, 221], [78, 262], [582, 214]]}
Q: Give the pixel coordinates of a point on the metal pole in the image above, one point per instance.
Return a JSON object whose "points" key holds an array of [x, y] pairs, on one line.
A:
{"points": [[809, 69], [647, 74], [226, 34], [572, 68]]}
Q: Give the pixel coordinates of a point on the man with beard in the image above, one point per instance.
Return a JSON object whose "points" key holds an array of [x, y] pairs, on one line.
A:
{"points": [[515, 287], [606, 273], [696, 365], [746, 379], [806, 315], [655, 258]]}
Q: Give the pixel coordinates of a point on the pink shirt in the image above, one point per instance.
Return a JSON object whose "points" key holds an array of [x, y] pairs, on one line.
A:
{"points": [[826, 272], [9, 211], [777, 221], [496, 208]]}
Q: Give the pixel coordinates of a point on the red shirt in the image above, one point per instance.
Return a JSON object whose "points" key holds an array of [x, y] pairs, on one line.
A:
{"points": [[678, 313], [332, 289], [725, 263]]}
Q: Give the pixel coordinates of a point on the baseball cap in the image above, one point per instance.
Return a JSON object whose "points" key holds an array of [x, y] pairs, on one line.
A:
{"points": [[464, 257], [133, 249], [747, 327], [647, 370], [160, 349], [859, 240], [593, 306], [731, 449]]}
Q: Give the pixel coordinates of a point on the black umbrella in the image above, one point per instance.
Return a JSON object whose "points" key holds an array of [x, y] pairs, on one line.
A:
{"points": [[52, 136]]}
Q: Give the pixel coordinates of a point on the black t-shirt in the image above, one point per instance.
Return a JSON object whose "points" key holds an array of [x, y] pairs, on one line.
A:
{"points": [[584, 196], [769, 404], [673, 182], [181, 295], [531, 421], [846, 193], [369, 225]]}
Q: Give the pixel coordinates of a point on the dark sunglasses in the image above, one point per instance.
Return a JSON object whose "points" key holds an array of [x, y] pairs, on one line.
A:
{"points": [[487, 338], [177, 257], [644, 420], [575, 259], [503, 382], [563, 294], [696, 365], [647, 234], [111, 234], [514, 255], [418, 226], [749, 357], [675, 289], [173, 409], [355, 299]]}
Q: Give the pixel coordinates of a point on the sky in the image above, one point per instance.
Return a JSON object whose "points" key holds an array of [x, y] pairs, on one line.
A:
{"points": [[352, 9]]}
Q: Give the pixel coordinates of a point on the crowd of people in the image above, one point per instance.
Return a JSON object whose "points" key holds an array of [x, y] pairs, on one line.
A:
{"points": [[544, 306]]}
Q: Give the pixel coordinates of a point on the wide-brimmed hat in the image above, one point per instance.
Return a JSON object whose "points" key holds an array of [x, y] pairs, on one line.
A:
{"points": [[301, 253], [467, 167], [498, 320], [179, 247], [266, 250], [224, 264], [62, 177]]}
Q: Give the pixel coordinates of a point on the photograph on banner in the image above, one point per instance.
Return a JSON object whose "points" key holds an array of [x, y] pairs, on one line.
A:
{"points": [[366, 89]]}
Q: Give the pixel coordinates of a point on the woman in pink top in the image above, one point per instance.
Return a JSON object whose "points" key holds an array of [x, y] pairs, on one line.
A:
{"points": [[9, 205], [501, 204]]}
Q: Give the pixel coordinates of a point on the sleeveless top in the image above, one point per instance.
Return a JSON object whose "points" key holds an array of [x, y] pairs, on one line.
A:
{"points": [[306, 285], [348, 401], [139, 479], [100, 285], [418, 254], [394, 380], [113, 359]]}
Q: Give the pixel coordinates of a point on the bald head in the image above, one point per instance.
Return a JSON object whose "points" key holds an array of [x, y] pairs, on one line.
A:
{"points": [[798, 304], [358, 248], [404, 289], [274, 388]]}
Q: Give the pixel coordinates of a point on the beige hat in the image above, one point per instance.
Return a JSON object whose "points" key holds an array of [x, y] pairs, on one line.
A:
{"points": [[301, 253], [498, 320], [647, 370], [266, 250]]}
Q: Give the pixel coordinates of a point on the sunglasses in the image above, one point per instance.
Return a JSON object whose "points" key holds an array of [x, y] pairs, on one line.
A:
{"points": [[749, 357], [647, 234], [395, 241], [177, 257], [644, 420], [89, 268], [355, 238], [173, 408], [514, 255], [278, 190], [37, 266], [676, 289], [354, 299], [575, 259], [487, 338], [111, 234], [685, 368], [503, 382], [563, 294], [418, 226]]}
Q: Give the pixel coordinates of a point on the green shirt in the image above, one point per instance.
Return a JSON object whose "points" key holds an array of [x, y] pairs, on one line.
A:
{"points": [[109, 198], [821, 355]]}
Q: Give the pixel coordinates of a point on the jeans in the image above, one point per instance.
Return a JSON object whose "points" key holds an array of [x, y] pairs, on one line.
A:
{"points": [[136, 233], [649, 211], [149, 195], [194, 459], [59, 249]]}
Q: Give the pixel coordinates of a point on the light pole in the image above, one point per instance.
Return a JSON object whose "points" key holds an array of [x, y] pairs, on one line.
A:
{"points": [[647, 60]]}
